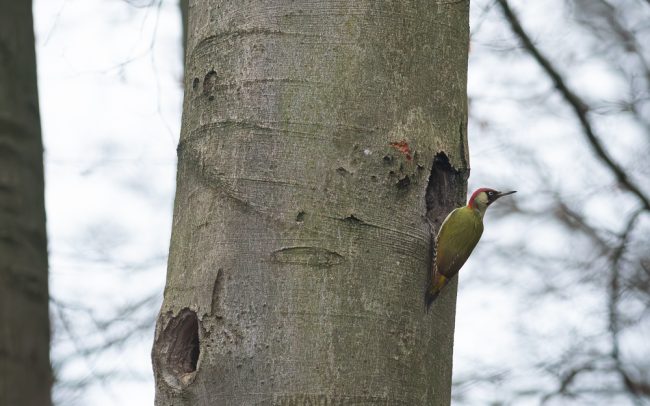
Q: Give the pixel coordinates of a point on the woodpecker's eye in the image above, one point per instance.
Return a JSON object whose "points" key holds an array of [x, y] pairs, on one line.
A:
{"points": [[490, 193]]}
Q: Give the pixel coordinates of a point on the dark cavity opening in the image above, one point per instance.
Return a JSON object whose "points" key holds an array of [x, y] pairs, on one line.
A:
{"points": [[445, 190], [178, 348], [184, 353], [404, 182]]}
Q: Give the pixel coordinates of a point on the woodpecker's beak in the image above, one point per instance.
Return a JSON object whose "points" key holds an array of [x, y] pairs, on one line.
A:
{"points": [[501, 194]]}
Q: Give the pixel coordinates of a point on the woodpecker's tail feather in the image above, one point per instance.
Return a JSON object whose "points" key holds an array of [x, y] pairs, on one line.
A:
{"points": [[437, 282], [430, 297]]}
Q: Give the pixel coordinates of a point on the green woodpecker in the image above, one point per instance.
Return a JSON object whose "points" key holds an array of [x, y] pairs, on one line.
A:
{"points": [[457, 237]]}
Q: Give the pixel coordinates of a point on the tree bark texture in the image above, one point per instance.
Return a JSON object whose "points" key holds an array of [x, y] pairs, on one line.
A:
{"points": [[320, 139], [25, 373], [184, 7]]}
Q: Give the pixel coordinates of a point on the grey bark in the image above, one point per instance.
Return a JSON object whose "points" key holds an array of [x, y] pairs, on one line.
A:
{"points": [[184, 7], [25, 373], [319, 142]]}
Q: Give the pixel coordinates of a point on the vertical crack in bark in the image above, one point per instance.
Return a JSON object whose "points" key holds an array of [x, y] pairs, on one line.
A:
{"points": [[217, 293], [462, 132]]}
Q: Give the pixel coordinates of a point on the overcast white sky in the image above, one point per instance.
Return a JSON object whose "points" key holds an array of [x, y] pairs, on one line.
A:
{"points": [[110, 92]]}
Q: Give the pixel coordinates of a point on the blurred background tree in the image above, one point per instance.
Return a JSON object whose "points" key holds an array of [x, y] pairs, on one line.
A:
{"points": [[25, 372], [558, 289]]}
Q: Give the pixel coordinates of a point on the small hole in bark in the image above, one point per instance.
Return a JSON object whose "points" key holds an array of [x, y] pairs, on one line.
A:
{"points": [[195, 83], [209, 83], [404, 182], [342, 171], [300, 217]]}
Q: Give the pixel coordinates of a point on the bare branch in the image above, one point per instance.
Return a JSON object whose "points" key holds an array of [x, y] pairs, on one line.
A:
{"points": [[578, 106], [636, 388]]}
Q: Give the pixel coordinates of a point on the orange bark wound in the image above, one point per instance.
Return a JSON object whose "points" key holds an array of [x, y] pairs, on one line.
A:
{"points": [[403, 147]]}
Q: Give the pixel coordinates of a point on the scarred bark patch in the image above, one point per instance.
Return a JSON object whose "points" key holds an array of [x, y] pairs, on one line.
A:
{"points": [[403, 147], [311, 256]]}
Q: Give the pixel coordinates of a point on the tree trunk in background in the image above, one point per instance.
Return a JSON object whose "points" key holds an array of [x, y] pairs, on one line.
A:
{"points": [[25, 373], [319, 140]]}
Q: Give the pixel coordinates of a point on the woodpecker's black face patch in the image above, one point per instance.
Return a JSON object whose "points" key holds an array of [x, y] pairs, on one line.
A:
{"points": [[492, 195]]}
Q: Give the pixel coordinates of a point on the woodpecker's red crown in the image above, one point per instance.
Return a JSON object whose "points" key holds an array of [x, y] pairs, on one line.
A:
{"points": [[491, 195]]}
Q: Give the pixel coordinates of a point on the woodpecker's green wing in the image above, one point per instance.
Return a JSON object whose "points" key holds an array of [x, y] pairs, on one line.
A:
{"points": [[458, 236]]}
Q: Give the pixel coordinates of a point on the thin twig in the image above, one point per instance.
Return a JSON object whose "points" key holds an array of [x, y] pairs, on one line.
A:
{"points": [[579, 107], [637, 389]]}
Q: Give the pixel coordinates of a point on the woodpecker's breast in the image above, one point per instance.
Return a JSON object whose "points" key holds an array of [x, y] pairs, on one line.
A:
{"points": [[459, 234]]}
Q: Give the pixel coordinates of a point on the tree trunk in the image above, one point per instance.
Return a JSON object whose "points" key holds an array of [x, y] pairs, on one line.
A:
{"points": [[25, 374], [184, 7], [319, 141]]}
